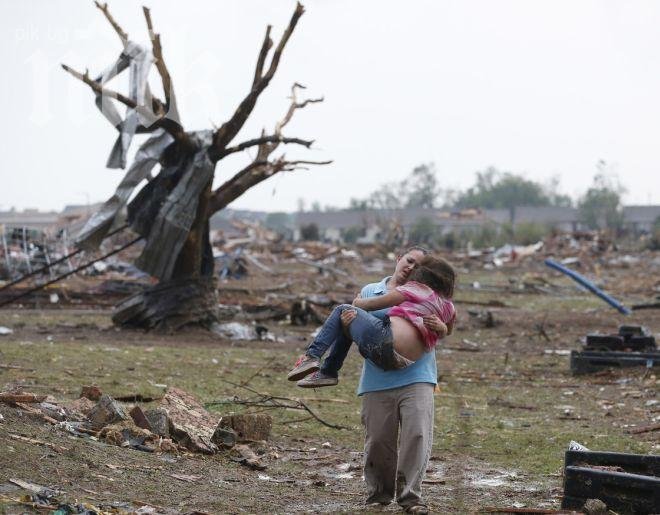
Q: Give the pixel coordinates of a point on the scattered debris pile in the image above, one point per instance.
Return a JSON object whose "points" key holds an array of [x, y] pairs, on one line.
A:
{"points": [[43, 498], [179, 423], [631, 346]]}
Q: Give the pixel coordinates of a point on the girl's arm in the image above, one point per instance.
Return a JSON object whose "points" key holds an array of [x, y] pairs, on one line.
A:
{"points": [[450, 324], [433, 323], [391, 298]]}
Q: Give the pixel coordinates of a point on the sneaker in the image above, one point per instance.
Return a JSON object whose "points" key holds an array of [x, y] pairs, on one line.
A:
{"points": [[317, 379], [303, 367]]}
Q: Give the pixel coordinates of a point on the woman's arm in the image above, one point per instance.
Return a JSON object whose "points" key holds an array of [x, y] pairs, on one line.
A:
{"points": [[391, 298]]}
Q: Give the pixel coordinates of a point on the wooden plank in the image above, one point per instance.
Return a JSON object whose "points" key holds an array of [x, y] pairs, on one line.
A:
{"points": [[630, 493], [646, 464], [592, 361], [644, 429], [21, 397]]}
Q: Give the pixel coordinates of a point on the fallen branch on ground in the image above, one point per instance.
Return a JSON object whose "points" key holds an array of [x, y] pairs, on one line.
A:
{"points": [[247, 381], [51, 446], [21, 397], [274, 401], [644, 429]]}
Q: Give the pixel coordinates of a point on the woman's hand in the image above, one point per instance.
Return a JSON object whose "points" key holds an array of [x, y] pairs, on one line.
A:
{"points": [[357, 300], [347, 316], [433, 323]]}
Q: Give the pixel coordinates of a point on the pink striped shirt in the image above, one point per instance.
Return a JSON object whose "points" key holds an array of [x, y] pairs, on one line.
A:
{"points": [[421, 301]]}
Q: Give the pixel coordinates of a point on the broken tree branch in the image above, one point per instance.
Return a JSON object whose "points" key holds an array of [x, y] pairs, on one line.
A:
{"points": [[261, 168], [247, 381], [275, 61], [169, 125], [51, 446], [644, 429], [20, 397], [295, 105], [249, 176], [276, 402], [97, 88], [120, 32], [265, 139], [265, 47], [230, 129], [157, 50]]}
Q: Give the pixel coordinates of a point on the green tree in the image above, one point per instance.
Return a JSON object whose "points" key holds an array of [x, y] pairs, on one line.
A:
{"points": [[421, 187], [497, 190], [387, 196], [357, 204], [600, 206]]}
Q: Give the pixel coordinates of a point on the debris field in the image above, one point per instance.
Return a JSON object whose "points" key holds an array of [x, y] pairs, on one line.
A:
{"points": [[106, 419]]}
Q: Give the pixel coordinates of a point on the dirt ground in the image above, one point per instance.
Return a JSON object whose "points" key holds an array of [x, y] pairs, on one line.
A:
{"points": [[507, 405]]}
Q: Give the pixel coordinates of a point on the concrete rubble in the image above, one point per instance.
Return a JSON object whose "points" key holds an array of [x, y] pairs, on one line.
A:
{"points": [[178, 423]]}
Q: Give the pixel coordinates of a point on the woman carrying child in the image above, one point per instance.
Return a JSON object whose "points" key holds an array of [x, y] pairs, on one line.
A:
{"points": [[400, 338]]}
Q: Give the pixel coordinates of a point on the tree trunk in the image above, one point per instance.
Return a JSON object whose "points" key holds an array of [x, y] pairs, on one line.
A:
{"points": [[191, 259], [189, 297], [170, 305], [171, 212]]}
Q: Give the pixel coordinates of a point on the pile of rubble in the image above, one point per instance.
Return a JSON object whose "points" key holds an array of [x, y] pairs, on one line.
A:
{"points": [[177, 424], [585, 250], [260, 276]]}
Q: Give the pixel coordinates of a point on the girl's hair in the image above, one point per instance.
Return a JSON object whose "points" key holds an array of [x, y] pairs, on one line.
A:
{"points": [[437, 274]]}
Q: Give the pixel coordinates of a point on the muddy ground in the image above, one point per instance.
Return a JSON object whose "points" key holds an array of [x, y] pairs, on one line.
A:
{"points": [[506, 407]]}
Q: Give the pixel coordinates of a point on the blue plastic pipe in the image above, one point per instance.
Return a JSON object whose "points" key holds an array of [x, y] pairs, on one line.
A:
{"points": [[589, 286]]}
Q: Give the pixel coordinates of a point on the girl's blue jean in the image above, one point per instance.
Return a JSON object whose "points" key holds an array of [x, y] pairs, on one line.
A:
{"points": [[372, 335]]}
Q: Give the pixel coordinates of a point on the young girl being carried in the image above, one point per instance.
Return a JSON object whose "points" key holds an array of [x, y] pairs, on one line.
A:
{"points": [[400, 338]]}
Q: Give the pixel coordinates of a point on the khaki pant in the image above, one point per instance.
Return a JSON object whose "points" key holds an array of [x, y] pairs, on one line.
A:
{"points": [[400, 420]]}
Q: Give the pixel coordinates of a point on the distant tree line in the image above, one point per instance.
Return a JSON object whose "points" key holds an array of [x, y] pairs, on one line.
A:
{"points": [[599, 207]]}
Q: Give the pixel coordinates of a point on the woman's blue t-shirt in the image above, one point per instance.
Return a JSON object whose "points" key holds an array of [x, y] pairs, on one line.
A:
{"points": [[374, 378]]}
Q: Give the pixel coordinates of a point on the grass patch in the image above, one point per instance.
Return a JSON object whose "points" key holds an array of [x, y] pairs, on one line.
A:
{"points": [[468, 418]]}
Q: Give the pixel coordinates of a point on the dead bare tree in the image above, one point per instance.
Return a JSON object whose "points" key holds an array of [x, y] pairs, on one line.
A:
{"points": [[172, 210]]}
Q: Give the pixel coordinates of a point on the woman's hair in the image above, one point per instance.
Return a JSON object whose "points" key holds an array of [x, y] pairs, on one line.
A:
{"points": [[418, 248], [437, 274]]}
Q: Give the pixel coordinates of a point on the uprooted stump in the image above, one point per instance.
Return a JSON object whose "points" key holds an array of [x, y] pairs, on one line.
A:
{"points": [[170, 305]]}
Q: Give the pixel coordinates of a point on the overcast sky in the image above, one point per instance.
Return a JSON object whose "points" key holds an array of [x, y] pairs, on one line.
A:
{"points": [[538, 88]]}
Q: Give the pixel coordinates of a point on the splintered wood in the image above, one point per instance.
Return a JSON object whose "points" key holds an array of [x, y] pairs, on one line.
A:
{"points": [[190, 424]]}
